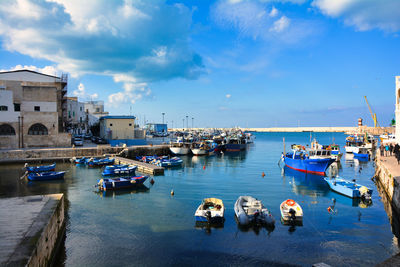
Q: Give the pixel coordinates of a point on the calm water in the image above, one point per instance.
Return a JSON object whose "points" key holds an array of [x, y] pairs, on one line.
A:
{"points": [[151, 227]]}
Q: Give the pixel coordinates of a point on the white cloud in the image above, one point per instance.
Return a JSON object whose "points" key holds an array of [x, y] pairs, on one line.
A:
{"points": [[228, 96], [49, 70], [273, 12], [81, 93], [146, 40], [133, 91], [257, 20], [363, 15], [280, 24]]}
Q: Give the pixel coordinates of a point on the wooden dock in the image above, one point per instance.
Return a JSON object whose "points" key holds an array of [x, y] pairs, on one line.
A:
{"points": [[141, 166]]}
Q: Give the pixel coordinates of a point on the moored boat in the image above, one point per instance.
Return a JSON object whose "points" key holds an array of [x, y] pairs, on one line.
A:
{"points": [[119, 170], [300, 160], [120, 183], [249, 210], [43, 168], [349, 188], [45, 176], [180, 147], [236, 143], [211, 210], [203, 148], [79, 160], [291, 212], [100, 162], [169, 162]]}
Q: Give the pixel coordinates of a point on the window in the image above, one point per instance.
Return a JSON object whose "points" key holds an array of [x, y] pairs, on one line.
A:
{"points": [[37, 108], [73, 114], [69, 114], [38, 129], [110, 124], [130, 124], [97, 109], [6, 129], [80, 119], [3, 108], [17, 107], [81, 108]]}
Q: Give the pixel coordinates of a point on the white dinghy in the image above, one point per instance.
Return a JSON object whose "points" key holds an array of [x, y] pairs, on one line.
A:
{"points": [[250, 210]]}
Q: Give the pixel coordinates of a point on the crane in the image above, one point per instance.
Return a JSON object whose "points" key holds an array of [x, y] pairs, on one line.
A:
{"points": [[373, 115]]}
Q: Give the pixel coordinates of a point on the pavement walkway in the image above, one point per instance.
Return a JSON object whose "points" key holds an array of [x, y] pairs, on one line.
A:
{"points": [[390, 162]]}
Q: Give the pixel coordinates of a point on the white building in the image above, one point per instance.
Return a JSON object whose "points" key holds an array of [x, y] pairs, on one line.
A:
{"points": [[76, 118], [32, 108]]}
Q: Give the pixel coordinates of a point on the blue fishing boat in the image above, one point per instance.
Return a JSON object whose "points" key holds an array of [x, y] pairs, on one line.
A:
{"points": [[172, 162], [100, 162], [44, 168], [120, 183], [80, 160], [299, 160], [45, 176], [119, 171], [349, 188], [362, 154]]}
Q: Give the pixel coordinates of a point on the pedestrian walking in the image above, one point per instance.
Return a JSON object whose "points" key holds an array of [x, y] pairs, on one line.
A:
{"points": [[386, 150]]}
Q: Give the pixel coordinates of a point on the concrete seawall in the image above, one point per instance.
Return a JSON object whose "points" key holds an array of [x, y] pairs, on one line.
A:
{"points": [[63, 154], [34, 236]]}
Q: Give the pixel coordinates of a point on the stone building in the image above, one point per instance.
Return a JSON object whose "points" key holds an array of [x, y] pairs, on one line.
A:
{"points": [[32, 110], [119, 130], [95, 110]]}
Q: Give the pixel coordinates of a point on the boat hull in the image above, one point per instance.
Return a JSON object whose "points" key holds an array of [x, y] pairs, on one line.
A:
{"points": [[235, 147], [180, 150], [120, 171], [346, 188], [285, 215], [314, 166], [46, 168], [46, 176], [202, 152], [121, 183]]}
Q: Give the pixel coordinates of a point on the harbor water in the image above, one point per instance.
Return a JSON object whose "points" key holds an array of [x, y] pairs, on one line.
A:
{"points": [[149, 226]]}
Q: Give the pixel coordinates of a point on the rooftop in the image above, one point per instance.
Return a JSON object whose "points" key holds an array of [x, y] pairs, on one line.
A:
{"points": [[118, 117]]}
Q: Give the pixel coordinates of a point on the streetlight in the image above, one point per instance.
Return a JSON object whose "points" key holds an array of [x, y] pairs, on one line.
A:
{"points": [[163, 113], [172, 124], [187, 123], [183, 124], [192, 122]]}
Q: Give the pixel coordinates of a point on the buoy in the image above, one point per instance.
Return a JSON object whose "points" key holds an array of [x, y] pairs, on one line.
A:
{"points": [[172, 192], [152, 181], [263, 174], [204, 167]]}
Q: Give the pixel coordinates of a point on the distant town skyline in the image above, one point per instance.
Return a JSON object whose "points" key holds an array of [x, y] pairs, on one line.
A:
{"points": [[261, 63]]}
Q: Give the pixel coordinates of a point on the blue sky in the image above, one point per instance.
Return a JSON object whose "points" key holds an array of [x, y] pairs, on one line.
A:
{"points": [[261, 63]]}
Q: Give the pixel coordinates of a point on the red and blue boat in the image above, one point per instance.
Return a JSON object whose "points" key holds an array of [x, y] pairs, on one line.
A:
{"points": [[299, 160]]}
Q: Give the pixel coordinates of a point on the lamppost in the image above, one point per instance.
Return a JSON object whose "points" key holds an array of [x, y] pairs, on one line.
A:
{"points": [[172, 124], [183, 124], [187, 123], [192, 122], [163, 133]]}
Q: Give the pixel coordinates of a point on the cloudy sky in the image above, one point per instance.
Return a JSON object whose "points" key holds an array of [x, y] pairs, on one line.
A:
{"points": [[260, 63]]}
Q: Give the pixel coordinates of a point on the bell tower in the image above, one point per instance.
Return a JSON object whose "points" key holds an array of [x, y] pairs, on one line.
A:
{"points": [[397, 111]]}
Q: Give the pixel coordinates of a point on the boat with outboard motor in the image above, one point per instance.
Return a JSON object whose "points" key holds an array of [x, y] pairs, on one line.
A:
{"points": [[291, 212], [349, 188], [300, 160], [249, 210], [211, 210]]}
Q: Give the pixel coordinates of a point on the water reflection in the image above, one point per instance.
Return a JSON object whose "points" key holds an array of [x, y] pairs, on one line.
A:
{"points": [[306, 183], [255, 227], [207, 227], [391, 212]]}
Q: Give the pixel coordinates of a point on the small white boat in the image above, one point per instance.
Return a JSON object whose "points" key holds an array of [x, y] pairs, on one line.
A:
{"points": [[180, 148], [291, 212], [250, 210], [203, 148], [349, 188], [211, 210]]}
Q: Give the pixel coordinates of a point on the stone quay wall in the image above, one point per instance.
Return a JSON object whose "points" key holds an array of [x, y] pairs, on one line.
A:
{"points": [[62, 154], [48, 242]]}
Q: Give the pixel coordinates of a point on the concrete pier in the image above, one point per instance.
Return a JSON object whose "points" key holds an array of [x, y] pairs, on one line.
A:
{"points": [[141, 166], [31, 229]]}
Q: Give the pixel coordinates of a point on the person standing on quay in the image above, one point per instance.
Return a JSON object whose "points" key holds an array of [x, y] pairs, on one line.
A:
{"points": [[386, 150], [382, 149], [391, 148], [396, 151]]}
